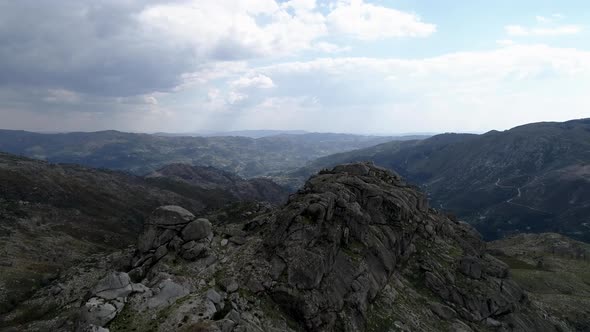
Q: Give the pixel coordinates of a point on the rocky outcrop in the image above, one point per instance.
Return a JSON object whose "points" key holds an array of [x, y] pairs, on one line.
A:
{"points": [[108, 298], [344, 237], [171, 228], [339, 240], [356, 249]]}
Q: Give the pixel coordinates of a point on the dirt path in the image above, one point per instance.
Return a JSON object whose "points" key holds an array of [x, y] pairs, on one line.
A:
{"points": [[518, 195]]}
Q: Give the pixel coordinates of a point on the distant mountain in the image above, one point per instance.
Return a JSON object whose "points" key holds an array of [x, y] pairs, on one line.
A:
{"points": [[143, 153], [267, 133], [532, 178], [257, 133], [210, 178]]}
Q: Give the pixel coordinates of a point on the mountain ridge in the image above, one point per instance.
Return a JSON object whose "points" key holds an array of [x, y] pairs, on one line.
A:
{"points": [[143, 153], [461, 173]]}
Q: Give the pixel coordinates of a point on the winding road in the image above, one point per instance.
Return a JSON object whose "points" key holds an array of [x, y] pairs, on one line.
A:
{"points": [[518, 195]]}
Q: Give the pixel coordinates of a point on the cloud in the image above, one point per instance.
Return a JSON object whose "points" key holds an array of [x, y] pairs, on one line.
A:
{"points": [[547, 27], [86, 47], [236, 97], [520, 31], [459, 91], [183, 65], [474, 91], [115, 48], [253, 81], [370, 22], [231, 29], [331, 48], [124, 48]]}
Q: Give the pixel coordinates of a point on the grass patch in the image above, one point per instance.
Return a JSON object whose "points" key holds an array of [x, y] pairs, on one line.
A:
{"points": [[517, 264], [30, 313]]}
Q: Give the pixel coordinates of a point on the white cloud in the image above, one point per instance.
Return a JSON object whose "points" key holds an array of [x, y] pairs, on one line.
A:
{"points": [[331, 48], [459, 91], [212, 71], [150, 100], [226, 28], [230, 28], [253, 81], [370, 22], [236, 97], [520, 31], [137, 47], [510, 63], [474, 91]]}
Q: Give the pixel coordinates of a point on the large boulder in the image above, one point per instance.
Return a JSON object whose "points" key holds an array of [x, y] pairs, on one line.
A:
{"points": [[170, 216], [197, 230], [167, 292], [115, 285], [100, 312]]}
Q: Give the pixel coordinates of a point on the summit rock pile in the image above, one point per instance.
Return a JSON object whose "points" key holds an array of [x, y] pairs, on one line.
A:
{"points": [[351, 246]]}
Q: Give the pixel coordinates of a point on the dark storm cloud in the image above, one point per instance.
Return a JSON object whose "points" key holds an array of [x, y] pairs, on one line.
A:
{"points": [[95, 48]]}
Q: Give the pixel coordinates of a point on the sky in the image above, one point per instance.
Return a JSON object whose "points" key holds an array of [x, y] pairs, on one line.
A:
{"points": [[357, 66]]}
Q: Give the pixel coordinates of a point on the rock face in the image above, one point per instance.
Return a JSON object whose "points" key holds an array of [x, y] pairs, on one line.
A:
{"points": [[349, 232], [356, 249], [340, 240]]}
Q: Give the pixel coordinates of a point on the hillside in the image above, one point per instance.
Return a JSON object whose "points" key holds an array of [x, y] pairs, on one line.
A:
{"points": [[54, 215], [210, 179], [532, 178], [554, 270], [142, 154], [356, 249]]}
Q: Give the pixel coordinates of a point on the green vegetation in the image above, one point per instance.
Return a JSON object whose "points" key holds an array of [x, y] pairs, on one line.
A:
{"points": [[554, 270], [517, 264]]}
